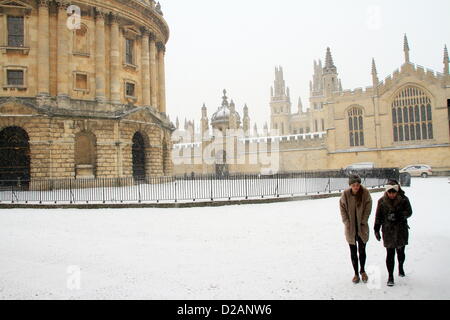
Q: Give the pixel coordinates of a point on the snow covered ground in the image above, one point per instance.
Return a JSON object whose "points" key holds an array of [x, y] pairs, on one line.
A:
{"points": [[292, 250]]}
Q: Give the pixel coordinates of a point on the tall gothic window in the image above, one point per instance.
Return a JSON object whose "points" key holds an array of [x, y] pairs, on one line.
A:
{"points": [[356, 127], [412, 116], [15, 31]]}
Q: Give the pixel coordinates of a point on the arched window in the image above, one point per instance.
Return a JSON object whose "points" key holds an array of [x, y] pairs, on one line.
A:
{"points": [[356, 127], [80, 45], [15, 156], [412, 117]]}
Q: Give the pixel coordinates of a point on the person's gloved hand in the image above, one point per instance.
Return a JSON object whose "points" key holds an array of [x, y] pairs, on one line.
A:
{"points": [[402, 216], [377, 235]]}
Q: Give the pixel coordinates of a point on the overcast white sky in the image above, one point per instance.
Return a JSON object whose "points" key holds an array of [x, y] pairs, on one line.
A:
{"points": [[236, 44]]}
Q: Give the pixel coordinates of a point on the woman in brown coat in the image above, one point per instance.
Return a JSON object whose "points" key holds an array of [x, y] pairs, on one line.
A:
{"points": [[356, 206], [393, 211]]}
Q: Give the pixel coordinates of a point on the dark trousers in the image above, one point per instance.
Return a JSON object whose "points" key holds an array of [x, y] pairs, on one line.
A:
{"points": [[390, 259], [354, 250]]}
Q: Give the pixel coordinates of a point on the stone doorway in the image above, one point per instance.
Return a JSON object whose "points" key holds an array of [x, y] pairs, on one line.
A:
{"points": [[14, 157], [138, 152]]}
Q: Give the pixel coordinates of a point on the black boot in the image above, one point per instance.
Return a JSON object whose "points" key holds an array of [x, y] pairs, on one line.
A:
{"points": [[401, 271], [390, 282]]}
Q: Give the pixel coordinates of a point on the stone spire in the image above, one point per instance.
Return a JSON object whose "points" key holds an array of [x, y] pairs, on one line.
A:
{"points": [[255, 130], [177, 124], [316, 85], [340, 85], [245, 110], [279, 84], [446, 61], [204, 111], [329, 63], [375, 79], [300, 105], [246, 120], [330, 76], [232, 106], [329, 59], [406, 49], [233, 120], [204, 123]]}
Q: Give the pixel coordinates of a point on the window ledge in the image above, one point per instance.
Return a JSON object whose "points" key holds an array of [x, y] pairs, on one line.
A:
{"points": [[81, 90], [5, 49], [81, 54], [131, 99], [130, 66], [12, 88]]}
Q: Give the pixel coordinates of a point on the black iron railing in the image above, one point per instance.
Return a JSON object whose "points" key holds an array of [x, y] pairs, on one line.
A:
{"points": [[185, 188]]}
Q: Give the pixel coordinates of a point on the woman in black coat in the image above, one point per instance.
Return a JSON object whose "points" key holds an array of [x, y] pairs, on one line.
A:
{"points": [[392, 215]]}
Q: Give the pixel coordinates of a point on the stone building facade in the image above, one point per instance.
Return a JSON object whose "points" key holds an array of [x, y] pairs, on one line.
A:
{"points": [[83, 89], [402, 120]]}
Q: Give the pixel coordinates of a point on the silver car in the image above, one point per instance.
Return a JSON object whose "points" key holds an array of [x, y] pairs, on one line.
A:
{"points": [[418, 170]]}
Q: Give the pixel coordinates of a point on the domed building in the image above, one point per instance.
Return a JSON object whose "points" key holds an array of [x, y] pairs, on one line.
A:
{"points": [[83, 90], [226, 117], [213, 149]]}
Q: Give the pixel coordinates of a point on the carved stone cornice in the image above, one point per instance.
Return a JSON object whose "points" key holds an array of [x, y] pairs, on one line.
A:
{"points": [[145, 31], [43, 3], [115, 18], [161, 46], [62, 4], [150, 12], [100, 13]]}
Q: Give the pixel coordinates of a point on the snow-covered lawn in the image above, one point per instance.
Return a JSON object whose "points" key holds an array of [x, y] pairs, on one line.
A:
{"points": [[293, 250]]}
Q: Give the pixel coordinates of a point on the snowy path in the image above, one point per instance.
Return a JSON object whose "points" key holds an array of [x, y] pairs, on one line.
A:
{"points": [[293, 250]]}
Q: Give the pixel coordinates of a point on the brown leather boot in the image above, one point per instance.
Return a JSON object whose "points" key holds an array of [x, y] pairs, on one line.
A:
{"points": [[364, 277], [356, 279]]}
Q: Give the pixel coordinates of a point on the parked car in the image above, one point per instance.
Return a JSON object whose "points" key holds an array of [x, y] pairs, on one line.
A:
{"points": [[418, 170], [357, 167]]}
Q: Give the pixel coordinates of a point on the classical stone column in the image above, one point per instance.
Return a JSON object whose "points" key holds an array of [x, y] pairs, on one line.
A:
{"points": [[145, 67], [43, 54], [153, 71], [162, 78], [63, 72], [115, 60], [100, 93]]}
